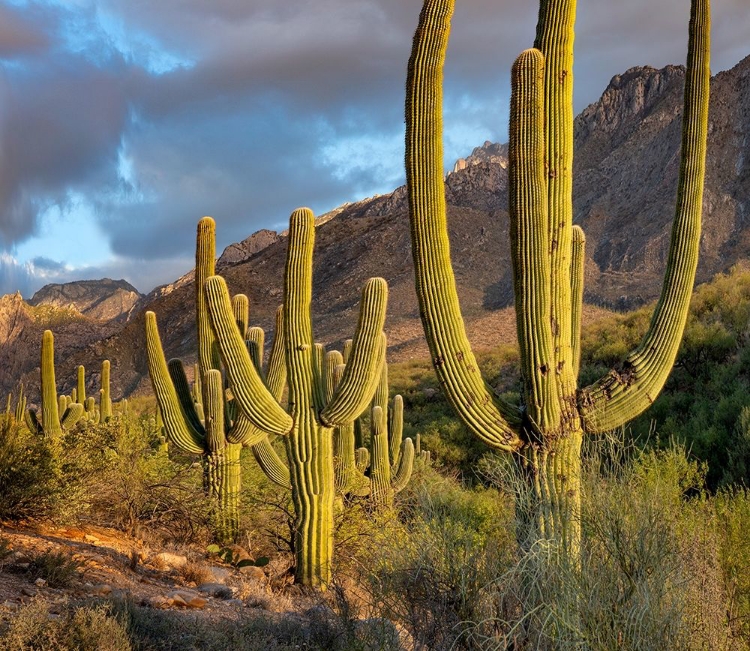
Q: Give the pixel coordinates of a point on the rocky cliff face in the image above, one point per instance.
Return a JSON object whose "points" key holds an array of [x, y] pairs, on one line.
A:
{"points": [[625, 182], [102, 300]]}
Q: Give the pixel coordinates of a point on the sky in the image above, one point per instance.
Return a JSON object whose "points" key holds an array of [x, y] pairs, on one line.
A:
{"points": [[123, 122]]}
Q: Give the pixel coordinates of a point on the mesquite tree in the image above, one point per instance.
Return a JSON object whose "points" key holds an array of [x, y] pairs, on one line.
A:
{"points": [[548, 258]]}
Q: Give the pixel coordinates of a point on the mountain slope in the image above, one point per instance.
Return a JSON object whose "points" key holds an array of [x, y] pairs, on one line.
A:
{"points": [[625, 181]]}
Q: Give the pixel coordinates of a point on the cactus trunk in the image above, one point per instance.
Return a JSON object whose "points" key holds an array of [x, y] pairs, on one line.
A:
{"points": [[223, 482]]}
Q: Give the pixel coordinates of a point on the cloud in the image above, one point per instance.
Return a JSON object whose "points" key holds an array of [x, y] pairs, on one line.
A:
{"points": [[157, 113]]}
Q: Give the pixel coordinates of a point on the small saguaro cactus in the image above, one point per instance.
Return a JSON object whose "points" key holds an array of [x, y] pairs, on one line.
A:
{"points": [[308, 428], [51, 425], [548, 258], [200, 421], [390, 458]]}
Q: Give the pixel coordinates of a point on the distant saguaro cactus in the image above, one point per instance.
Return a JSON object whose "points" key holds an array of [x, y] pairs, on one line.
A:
{"points": [[548, 258], [51, 425], [308, 428]]}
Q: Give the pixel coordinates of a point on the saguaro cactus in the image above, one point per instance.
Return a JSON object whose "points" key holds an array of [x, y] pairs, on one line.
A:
{"points": [[308, 427], [547, 255], [51, 424], [204, 424], [390, 457]]}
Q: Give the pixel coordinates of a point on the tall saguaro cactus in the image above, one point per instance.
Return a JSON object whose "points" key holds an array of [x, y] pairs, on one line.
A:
{"points": [[51, 424], [211, 427], [547, 256], [308, 428]]}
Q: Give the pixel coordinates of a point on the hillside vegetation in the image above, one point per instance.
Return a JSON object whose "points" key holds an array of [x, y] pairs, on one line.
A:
{"points": [[665, 519]]}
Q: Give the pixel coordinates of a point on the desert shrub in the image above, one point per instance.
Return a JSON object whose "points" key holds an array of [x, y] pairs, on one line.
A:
{"points": [[650, 574], [58, 569], [32, 482], [132, 485], [85, 628], [435, 576]]}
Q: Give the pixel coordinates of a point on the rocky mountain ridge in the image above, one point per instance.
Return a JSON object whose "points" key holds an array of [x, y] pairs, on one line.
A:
{"points": [[625, 181]]}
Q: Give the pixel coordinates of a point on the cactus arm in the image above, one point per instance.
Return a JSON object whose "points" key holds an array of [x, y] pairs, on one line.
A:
{"points": [[402, 473], [251, 394], [32, 422], [362, 458], [530, 246], [332, 372], [81, 385], [577, 269], [624, 393], [396, 430], [182, 388], [72, 415], [362, 372], [255, 340], [380, 466], [50, 405], [276, 369], [176, 423], [105, 400], [271, 464], [455, 364], [241, 311]]}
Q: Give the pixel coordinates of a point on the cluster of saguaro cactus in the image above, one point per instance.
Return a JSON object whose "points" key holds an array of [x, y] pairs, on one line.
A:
{"points": [[548, 257], [15, 414], [202, 420], [58, 412], [313, 412], [386, 466]]}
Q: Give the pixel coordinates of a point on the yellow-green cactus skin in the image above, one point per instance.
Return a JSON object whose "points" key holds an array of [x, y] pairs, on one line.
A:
{"points": [[57, 415], [385, 468], [313, 412], [548, 256], [202, 421]]}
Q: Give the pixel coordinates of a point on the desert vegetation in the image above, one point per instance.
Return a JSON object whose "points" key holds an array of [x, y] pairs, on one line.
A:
{"points": [[290, 497]]}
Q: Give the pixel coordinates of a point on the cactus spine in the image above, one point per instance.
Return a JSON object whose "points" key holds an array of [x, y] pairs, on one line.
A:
{"points": [[51, 424], [199, 422], [308, 428], [547, 254]]}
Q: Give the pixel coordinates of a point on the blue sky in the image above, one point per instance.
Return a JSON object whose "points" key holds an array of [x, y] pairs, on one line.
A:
{"points": [[124, 122]]}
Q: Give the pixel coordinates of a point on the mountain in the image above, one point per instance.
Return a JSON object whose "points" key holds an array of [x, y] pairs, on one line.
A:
{"points": [[625, 183], [102, 300]]}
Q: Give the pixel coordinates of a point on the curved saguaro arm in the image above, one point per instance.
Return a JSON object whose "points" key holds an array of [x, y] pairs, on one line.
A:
{"points": [[250, 392], [626, 392], [180, 427], [360, 379], [489, 418], [241, 309]]}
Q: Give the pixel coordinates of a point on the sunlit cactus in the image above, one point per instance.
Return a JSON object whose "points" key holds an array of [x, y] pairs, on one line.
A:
{"points": [[308, 427], [547, 255], [51, 424]]}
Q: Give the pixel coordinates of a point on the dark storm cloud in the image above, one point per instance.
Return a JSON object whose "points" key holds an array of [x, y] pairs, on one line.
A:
{"points": [[157, 113]]}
